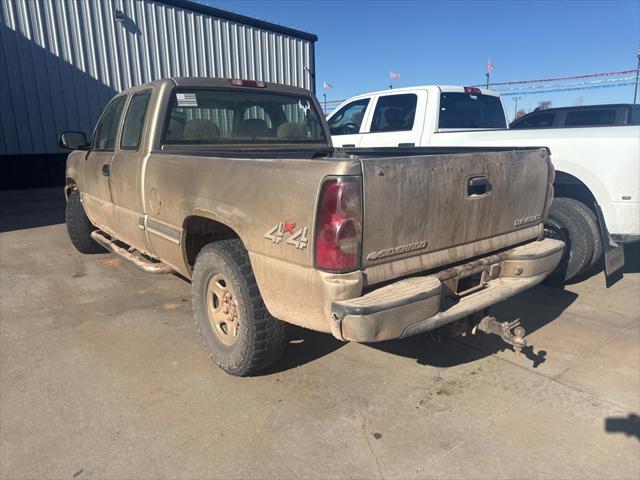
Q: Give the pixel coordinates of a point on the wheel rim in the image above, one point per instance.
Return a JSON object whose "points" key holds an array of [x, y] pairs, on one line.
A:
{"points": [[552, 230], [222, 309]]}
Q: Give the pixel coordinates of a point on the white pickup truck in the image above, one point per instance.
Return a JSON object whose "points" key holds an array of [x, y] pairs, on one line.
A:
{"points": [[597, 183]]}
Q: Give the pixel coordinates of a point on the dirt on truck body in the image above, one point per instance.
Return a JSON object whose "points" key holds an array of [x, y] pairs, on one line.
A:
{"points": [[234, 184]]}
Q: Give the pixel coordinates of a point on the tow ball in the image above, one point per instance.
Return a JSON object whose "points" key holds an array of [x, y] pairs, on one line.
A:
{"points": [[490, 325]]}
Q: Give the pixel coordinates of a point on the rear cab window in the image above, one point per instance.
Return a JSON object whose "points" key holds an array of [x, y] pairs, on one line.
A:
{"points": [[394, 113], [461, 110], [219, 117]]}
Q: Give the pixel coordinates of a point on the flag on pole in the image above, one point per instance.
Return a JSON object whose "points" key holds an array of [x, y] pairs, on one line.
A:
{"points": [[393, 75], [326, 85], [489, 66]]}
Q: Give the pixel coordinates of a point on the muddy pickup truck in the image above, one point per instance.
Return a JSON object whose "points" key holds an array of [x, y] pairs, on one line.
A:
{"points": [[234, 185]]}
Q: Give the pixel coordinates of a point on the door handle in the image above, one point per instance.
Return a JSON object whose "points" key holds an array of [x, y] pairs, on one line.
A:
{"points": [[477, 186], [106, 170], [349, 145]]}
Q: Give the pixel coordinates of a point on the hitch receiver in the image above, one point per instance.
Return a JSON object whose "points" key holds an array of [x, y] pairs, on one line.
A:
{"points": [[503, 329]]}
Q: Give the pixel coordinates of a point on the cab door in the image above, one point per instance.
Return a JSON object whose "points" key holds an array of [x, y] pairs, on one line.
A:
{"points": [[397, 120], [95, 189], [126, 172], [346, 124]]}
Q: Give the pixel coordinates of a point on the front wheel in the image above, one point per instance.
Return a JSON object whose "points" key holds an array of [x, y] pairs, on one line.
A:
{"points": [[79, 226], [241, 335]]}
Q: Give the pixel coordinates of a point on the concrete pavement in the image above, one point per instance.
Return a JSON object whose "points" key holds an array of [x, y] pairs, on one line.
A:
{"points": [[103, 375]]}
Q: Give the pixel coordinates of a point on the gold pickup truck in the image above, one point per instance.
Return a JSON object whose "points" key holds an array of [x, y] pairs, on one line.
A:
{"points": [[234, 184]]}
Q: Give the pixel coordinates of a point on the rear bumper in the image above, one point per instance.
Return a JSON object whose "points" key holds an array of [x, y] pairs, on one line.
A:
{"points": [[419, 304]]}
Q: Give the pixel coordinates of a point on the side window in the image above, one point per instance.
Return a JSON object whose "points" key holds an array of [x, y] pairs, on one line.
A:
{"points": [[539, 120], [394, 113], [348, 119], [107, 128], [134, 121], [584, 118]]}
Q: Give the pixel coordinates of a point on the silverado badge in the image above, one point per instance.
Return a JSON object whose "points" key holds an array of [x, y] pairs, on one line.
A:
{"points": [[527, 220], [389, 252]]}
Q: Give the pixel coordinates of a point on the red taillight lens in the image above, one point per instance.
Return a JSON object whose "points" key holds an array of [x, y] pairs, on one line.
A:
{"points": [[338, 225]]}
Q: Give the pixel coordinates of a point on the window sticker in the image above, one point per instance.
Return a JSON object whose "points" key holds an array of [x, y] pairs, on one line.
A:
{"points": [[187, 99]]}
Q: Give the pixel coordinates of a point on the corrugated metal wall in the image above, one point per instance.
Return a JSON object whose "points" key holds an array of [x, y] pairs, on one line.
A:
{"points": [[62, 60]]}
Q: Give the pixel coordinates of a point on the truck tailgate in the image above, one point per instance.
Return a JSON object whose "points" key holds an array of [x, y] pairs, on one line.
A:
{"points": [[418, 204]]}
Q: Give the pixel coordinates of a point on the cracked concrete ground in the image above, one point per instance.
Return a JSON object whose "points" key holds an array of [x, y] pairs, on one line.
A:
{"points": [[102, 375]]}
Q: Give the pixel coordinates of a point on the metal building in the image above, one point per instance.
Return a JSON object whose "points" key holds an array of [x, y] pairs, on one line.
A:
{"points": [[62, 60]]}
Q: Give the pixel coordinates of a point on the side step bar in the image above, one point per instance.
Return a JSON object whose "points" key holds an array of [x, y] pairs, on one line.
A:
{"points": [[142, 263]]}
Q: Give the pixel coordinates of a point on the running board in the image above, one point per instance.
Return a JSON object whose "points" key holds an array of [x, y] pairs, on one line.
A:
{"points": [[146, 266]]}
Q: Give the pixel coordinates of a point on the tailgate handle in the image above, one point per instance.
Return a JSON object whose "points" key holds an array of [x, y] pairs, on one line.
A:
{"points": [[477, 186]]}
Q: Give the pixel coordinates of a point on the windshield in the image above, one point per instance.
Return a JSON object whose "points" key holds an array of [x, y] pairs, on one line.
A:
{"points": [[241, 117], [462, 110]]}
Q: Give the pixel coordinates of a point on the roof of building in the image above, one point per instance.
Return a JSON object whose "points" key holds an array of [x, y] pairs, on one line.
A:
{"points": [[234, 17]]}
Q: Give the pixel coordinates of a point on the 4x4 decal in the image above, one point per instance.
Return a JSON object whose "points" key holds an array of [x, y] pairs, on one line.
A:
{"points": [[297, 238]]}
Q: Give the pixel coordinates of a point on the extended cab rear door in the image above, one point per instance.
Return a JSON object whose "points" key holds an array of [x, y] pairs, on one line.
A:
{"points": [[397, 119]]}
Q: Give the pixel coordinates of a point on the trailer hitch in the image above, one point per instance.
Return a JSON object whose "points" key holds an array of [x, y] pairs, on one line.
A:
{"points": [[490, 325]]}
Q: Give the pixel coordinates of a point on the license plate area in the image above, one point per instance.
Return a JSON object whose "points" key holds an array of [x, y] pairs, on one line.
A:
{"points": [[471, 283]]}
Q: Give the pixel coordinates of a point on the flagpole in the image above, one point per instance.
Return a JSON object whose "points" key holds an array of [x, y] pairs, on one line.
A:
{"points": [[635, 92], [324, 96], [487, 74]]}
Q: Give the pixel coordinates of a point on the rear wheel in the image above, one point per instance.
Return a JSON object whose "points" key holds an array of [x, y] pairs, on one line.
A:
{"points": [[241, 335], [567, 222], [592, 221], [79, 226]]}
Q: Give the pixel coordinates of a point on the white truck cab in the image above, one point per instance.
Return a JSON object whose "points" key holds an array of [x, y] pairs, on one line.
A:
{"points": [[597, 184]]}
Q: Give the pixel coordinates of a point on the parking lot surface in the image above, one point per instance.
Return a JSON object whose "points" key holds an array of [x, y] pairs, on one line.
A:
{"points": [[103, 375]]}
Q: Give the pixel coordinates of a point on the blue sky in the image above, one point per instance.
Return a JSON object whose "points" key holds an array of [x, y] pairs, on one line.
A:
{"points": [[448, 42]]}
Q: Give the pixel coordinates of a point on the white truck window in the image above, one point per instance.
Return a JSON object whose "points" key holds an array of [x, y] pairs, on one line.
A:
{"points": [[463, 110], [394, 113], [348, 119], [588, 118], [535, 120]]}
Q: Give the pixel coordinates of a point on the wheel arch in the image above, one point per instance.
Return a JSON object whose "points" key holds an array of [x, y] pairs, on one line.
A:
{"points": [[69, 185], [199, 230], [567, 185]]}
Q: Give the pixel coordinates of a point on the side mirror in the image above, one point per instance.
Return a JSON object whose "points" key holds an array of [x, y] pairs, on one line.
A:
{"points": [[73, 141]]}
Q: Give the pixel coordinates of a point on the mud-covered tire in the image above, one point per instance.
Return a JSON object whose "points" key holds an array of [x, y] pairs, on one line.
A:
{"points": [[567, 223], [592, 221], [259, 338], [79, 226]]}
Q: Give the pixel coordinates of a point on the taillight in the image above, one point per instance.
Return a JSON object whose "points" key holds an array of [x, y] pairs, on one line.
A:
{"points": [[472, 91], [550, 190], [339, 225]]}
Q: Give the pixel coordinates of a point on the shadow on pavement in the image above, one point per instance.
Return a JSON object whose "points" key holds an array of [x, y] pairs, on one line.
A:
{"points": [[629, 425], [20, 209], [535, 308], [304, 346]]}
